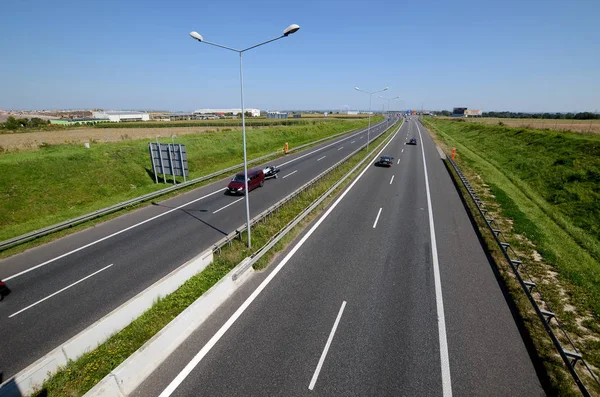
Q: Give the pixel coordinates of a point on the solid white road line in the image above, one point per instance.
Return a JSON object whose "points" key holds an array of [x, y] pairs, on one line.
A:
{"points": [[392, 180], [319, 159], [293, 172], [341, 148], [326, 349], [110, 236], [217, 336], [376, 219], [58, 292], [445, 361], [222, 208]]}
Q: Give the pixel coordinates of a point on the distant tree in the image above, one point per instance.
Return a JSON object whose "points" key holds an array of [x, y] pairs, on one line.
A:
{"points": [[248, 114], [11, 123]]}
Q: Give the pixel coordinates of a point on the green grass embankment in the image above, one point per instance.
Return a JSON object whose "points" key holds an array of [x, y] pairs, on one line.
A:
{"points": [[59, 182]]}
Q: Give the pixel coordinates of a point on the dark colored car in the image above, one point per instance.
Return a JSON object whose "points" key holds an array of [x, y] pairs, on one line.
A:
{"points": [[256, 178], [385, 161], [270, 172], [3, 290], [412, 141]]}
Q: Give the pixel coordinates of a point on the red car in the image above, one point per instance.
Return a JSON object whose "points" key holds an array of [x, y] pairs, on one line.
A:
{"points": [[3, 290], [256, 178]]}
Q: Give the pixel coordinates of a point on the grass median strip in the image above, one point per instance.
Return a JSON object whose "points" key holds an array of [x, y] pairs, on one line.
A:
{"points": [[81, 375], [545, 211]]}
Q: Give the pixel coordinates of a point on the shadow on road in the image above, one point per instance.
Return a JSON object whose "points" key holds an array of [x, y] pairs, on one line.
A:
{"points": [[189, 212]]}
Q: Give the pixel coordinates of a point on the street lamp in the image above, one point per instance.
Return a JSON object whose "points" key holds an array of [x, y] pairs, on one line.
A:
{"points": [[287, 31], [370, 96], [389, 100]]}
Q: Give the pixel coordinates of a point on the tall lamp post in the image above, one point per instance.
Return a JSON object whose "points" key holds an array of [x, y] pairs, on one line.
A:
{"points": [[389, 100], [196, 36], [370, 96]]}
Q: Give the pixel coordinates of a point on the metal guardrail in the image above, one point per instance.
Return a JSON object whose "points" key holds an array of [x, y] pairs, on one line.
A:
{"points": [[571, 358], [116, 207], [237, 233]]}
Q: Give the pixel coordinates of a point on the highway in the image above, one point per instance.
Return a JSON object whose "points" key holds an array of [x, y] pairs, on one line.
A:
{"points": [[388, 292], [61, 288]]}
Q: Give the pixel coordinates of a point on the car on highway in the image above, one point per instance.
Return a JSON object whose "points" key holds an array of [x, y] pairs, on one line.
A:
{"points": [[270, 172], [256, 178], [3, 290], [412, 141], [385, 161]]}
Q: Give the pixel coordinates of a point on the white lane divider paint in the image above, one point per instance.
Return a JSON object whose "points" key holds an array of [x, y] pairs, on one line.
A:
{"points": [[340, 148], [392, 180], [352, 142], [319, 159], [234, 317], [291, 173], [222, 208], [398, 161], [59, 291], [402, 151], [326, 349], [361, 137], [111, 235], [377, 219], [444, 360]]}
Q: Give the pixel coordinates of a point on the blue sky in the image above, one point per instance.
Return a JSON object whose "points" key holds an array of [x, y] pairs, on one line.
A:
{"points": [[526, 55]]}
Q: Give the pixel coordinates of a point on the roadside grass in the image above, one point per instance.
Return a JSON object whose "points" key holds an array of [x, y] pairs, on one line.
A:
{"points": [[556, 377], [543, 188], [60, 182], [570, 125], [79, 376]]}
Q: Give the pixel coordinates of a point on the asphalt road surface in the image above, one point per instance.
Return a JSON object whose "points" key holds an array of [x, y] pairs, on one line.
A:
{"points": [[389, 292], [61, 288]]}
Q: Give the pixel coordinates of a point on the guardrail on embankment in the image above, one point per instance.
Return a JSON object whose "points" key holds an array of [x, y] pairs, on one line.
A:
{"points": [[572, 358], [108, 210]]}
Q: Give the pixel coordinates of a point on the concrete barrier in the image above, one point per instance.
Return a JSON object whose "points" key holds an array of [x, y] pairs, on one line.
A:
{"points": [[32, 377], [124, 379]]}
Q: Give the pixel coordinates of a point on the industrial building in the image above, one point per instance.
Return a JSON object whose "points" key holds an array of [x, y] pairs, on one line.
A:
{"points": [[175, 116], [118, 116], [277, 115], [253, 112], [464, 112]]}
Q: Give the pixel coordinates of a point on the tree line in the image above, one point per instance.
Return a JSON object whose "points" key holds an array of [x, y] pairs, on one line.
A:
{"points": [[521, 115], [14, 124]]}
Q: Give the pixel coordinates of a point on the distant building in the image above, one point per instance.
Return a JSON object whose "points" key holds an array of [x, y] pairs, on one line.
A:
{"points": [[459, 112], [253, 112], [277, 115], [473, 113], [118, 116], [353, 112], [175, 116]]}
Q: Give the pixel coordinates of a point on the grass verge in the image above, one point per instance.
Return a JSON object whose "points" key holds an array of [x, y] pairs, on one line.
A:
{"points": [[79, 376], [60, 182], [562, 267]]}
